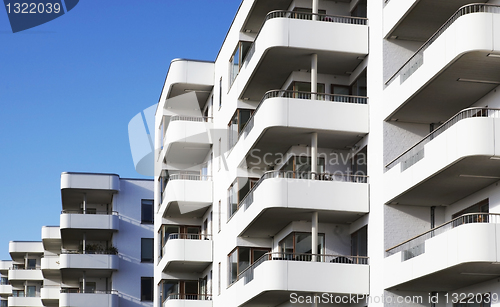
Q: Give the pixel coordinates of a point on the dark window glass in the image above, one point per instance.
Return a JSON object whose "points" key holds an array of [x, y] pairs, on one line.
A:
{"points": [[146, 249], [147, 211], [147, 289]]}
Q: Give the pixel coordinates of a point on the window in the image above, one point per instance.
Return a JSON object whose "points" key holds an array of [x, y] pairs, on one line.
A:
{"points": [[476, 301], [220, 93], [147, 289], [146, 250], [359, 245], [219, 279], [30, 291], [241, 258], [220, 153], [147, 211], [220, 216], [237, 58], [4, 281], [466, 216], [89, 287], [3, 303], [300, 243], [18, 293], [31, 264], [237, 123]]}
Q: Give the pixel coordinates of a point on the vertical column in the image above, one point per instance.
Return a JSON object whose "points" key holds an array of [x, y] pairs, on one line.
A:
{"points": [[315, 9], [84, 281], [314, 75], [314, 155], [84, 242], [84, 203], [314, 235]]}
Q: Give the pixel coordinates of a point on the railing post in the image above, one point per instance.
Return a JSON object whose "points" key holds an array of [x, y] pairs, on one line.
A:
{"points": [[314, 236], [314, 75]]}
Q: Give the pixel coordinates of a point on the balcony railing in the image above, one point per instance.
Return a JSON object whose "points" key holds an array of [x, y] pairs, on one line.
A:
{"points": [[248, 273], [108, 251], [304, 16], [189, 236], [247, 201], [30, 268], [189, 176], [300, 95], [201, 119], [417, 59], [416, 245], [90, 291], [90, 211], [186, 296], [416, 152]]}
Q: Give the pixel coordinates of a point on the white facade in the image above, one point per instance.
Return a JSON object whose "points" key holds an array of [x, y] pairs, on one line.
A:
{"points": [[233, 162], [100, 255]]}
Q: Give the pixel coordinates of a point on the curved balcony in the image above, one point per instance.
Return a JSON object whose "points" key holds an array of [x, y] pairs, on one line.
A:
{"points": [[457, 159], [5, 290], [283, 196], [19, 274], [50, 264], [274, 276], [188, 300], [89, 261], [25, 301], [96, 298], [187, 141], [97, 220], [410, 19], [23, 247], [280, 121], [179, 199], [50, 295], [453, 69], [185, 252], [284, 44], [457, 254], [186, 76]]}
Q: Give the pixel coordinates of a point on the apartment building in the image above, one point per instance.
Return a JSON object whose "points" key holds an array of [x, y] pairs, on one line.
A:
{"points": [[100, 255], [404, 91], [244, 218]]}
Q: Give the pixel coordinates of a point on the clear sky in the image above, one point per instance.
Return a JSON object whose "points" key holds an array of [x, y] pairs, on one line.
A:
{"points": [[68, 89]]}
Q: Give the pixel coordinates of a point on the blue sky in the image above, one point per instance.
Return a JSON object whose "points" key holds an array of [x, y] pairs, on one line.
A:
{"points": [[68, 89]]}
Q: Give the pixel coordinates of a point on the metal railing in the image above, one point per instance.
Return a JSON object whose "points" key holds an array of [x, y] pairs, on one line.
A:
{"points": [[90, 211], [247, 200], [186, 296], [303, 16], [300, 95], [23, 268], [77, 290], [189, 176], [416, 153], [189, 236], [203, 119], [248, 273], [416, 245], [417, 59], [90, 252]]}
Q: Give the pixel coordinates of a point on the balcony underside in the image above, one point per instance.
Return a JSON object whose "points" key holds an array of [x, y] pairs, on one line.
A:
{"points": [[186, 256], [456, 277], [443, 96], [448, 186], [279, 62], [186, 209], [423, 18], [463, 256], [180, 201], [277, 140]]}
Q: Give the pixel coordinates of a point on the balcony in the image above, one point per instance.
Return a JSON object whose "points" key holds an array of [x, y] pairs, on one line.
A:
{"points": [[50, 264], [457, 159], [97, 298], [457, 254], [97, 220], [23, 247], [284, 44], [410, 19], [179, 199], [188, 300], [186, 253], [22, 275], [272, 278], [5, 290], [456, 67], [89, 261], [187, 140], [187, 76], [283, 196], [25, 301], [280, 122], [50, 295], [51, 237]]}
